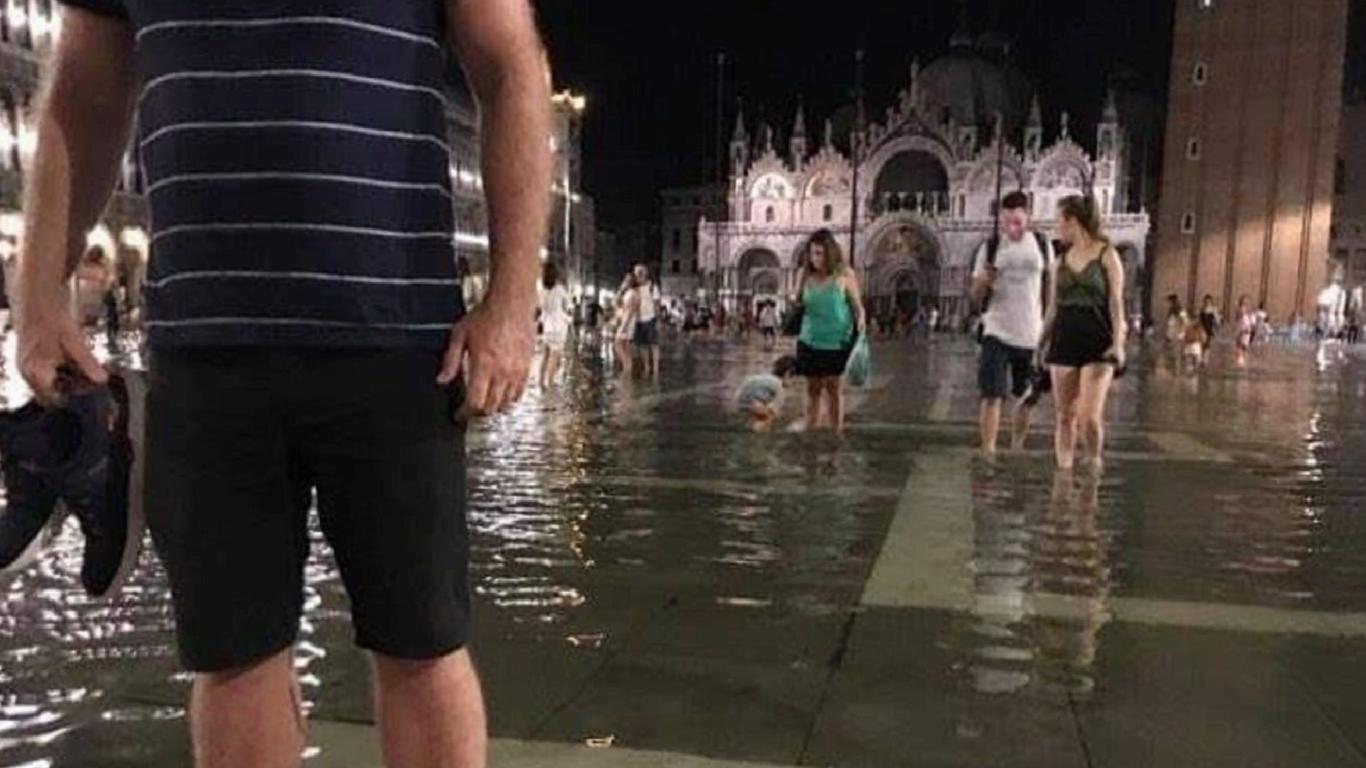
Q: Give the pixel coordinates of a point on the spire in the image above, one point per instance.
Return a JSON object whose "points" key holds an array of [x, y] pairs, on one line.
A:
{"points": [[740, 134], [962, 36], [797, 143], [1066, 132], [829, 134], [1111, 113], [915, 83], [1035, 113]]}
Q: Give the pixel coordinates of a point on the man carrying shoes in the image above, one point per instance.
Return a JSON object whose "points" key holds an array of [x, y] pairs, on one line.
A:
{"points": [[305, 323]]}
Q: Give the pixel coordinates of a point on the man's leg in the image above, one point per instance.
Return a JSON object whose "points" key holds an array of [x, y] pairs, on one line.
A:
{"points": [[248, 718], [993, 376], [430, 713], [391, 500], [229, 519], [1024, 416], [990, 424]]}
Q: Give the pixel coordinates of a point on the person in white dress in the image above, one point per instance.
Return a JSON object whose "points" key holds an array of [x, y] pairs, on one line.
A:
{"points": [[627, 312], [556, 321]]}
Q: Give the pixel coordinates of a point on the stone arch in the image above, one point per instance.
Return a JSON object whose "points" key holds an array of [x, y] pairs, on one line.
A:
{"points": [[1064, 171], [904, 259], [912, 173], [873, 166], [759, 271]]}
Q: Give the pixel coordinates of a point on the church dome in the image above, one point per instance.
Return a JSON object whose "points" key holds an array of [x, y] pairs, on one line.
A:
{"points": [[975, 81]]}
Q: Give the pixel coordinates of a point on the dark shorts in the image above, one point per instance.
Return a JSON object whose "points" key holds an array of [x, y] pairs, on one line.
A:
{"points": [[1003, 369], [815, 363], [647, 333], [239, 439]]}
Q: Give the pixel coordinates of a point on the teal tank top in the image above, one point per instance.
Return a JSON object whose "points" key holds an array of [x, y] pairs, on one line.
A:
{"points": [[827, 322]]}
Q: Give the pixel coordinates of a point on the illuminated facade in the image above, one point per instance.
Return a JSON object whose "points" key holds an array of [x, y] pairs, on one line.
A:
{"points": [[926, 179]]}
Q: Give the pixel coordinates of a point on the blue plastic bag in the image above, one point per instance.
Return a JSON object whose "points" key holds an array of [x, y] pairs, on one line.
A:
{"points": [[859, 370]]}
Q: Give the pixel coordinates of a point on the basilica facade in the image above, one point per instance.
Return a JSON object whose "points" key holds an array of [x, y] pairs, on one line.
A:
{"points": [[924, 180]]}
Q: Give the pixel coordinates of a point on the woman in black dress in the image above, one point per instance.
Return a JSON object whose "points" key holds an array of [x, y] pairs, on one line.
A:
{"points": [[1085, 330]]}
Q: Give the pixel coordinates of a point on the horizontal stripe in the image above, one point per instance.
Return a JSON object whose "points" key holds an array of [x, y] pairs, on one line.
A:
{"points": [[297, 226], [336, 21], [308, 125], [318, 74], [209, 178], [303, 276], [300, 322]]}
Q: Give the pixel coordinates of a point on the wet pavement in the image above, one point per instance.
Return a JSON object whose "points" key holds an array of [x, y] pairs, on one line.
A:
{"points": [[656, 585]]}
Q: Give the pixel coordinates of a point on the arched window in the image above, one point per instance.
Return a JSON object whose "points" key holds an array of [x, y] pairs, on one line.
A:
{"points": [[769, 215], [828, 214]]}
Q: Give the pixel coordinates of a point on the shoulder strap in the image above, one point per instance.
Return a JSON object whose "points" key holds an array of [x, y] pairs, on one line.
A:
{"points": [[993, 247], [1042, 240]]}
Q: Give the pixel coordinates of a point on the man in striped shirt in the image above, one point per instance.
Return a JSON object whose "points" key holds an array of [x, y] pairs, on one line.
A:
{"points": [[305, 321]]}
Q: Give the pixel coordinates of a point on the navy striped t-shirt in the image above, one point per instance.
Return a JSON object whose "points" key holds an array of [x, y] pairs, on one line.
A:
{"points": [[297, 171]]}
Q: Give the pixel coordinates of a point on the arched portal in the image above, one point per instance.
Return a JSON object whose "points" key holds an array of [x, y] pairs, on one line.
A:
{"points": [[912, 180], [759, 273], [904, 275]]}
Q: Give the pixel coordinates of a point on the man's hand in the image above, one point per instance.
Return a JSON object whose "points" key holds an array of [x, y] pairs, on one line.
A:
{"points": [[51, 341], [496, 341]]}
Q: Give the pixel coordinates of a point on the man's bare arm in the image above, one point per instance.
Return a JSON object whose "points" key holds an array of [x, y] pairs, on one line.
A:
{"points": [[501, 51], [83, 125]]}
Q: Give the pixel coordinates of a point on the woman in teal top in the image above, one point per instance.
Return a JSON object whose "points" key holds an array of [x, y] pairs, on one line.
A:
{"points": [[832, 320]]}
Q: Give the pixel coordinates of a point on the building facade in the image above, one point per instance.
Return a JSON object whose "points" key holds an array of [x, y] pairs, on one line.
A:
{"points": [[572, 240], [683, 208], [924, 181], [1349, 195], [1252, 132]]}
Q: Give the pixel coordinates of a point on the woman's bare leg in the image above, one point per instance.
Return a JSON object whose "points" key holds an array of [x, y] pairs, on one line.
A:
{"points": [[1093, 393], [1066, 386]]}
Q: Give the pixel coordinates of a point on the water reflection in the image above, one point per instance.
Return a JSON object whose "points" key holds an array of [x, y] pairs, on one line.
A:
{"points": [[603, 503], [1040, 582]]}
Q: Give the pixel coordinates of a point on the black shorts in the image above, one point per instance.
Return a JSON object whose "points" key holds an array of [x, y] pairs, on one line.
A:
{"points": [[646, 334], [815, 363], [239, 439], [1003, 369]]}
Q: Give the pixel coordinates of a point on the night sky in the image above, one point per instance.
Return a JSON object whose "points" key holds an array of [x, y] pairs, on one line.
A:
{"points": [[648, 70]]}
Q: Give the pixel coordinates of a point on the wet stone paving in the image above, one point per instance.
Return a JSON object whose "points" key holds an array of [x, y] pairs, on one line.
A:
{"points": [[659, 586]]}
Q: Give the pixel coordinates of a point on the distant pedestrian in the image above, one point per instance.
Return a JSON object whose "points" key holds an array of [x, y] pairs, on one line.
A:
{"points": [[768, 324], [624, 334], [556, 321], [832, 319], [1247, 330], [1210, 321], [647, 321]]}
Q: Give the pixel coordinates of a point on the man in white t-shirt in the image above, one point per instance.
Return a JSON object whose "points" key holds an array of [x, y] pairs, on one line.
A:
{"points": [[1009, 275], [647, 320]]}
